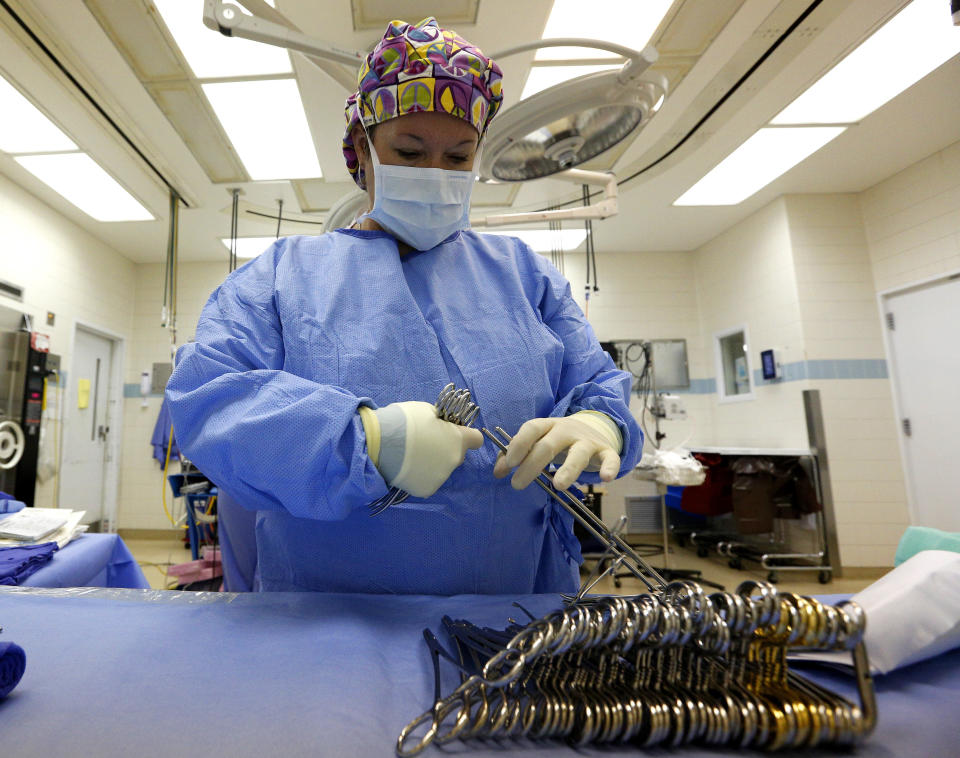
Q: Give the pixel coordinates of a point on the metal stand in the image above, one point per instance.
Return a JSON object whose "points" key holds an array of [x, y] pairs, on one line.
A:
{"points": [[666, 572], [825, 558]]}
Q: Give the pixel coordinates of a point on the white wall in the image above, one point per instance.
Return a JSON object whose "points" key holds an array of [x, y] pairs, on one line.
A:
{"points": [[912, 221], [141, 488], [842, 330], [644, 296], [799, 274], [62, 269], [745, 276]]}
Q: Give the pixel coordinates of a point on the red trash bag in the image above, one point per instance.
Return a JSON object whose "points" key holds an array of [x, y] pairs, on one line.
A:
{"points": [[714, 496]]}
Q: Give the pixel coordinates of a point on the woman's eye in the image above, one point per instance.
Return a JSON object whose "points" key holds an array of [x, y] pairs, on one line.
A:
{"points": [[407, 154], [459, 158]]}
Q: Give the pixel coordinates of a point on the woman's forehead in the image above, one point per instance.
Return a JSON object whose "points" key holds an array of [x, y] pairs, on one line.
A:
{"points": [[430, 127]]}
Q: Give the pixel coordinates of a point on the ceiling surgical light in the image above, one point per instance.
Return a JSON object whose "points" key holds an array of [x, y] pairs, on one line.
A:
{"points": [[81, 181], [574, 121], [544, 135], [545, 77], [766, 155]]}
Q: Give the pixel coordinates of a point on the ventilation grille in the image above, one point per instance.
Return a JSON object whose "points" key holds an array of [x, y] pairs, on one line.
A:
{"points": [[11, 290], [643, 514]]}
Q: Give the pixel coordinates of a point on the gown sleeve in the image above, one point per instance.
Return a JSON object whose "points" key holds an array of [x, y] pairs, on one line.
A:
{"points": [[274, 440], [589, 379]]}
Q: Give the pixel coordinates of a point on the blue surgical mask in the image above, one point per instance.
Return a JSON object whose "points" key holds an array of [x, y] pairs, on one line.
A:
{"points": [[420, 206]]}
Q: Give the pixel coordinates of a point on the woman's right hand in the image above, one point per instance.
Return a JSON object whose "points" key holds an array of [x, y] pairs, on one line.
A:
{"points": [[417, 450]]}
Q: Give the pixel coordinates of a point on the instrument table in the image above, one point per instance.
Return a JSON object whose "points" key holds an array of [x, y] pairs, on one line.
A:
{"points": [[158, 673]]}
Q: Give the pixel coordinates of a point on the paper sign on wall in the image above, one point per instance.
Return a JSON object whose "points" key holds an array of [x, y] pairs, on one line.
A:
{"points": [[83, 393]]}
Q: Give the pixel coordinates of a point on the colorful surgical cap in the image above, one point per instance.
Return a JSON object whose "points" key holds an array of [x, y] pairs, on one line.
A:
{"points": [[421, 67]]}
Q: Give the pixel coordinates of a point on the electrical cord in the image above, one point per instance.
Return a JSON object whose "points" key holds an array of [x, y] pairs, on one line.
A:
{"points": [[234, 226], [166, 467], [643, 386]]}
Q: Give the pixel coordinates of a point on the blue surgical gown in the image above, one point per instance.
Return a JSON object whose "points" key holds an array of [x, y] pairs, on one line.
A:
{"points": [[265, 401]]}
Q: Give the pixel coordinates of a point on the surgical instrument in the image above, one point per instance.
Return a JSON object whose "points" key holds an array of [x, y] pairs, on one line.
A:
{"points": [[453, 405]]}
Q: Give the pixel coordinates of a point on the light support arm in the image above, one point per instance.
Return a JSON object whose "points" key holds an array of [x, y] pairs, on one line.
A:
{"points": [[231, 21], [600, 210], [638, 61]]}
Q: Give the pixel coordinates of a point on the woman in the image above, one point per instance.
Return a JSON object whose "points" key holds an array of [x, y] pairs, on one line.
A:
{"points": [[309, 388]]}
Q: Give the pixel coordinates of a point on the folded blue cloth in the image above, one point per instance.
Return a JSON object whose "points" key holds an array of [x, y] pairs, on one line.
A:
{"points": [[13, 661], [918, 538], [17, 563], [9, 505]]}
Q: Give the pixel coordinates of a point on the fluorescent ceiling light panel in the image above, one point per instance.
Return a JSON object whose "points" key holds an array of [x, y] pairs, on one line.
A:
{"points": [[250, 247], [544, 77], [898, 55], [24, 129], [630, 23], [267, 126], [211, 54], [80, 180], [544, 240], [766, 155]]}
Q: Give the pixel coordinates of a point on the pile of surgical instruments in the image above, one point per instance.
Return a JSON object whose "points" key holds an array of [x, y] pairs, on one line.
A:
{"points": [[666, 668]]}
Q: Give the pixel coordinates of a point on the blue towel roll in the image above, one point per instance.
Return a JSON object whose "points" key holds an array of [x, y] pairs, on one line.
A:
{"points": [[919, 538], [13, 661]]}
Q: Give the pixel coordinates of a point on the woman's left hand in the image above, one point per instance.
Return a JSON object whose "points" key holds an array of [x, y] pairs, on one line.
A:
{"points": [[585, 441]]}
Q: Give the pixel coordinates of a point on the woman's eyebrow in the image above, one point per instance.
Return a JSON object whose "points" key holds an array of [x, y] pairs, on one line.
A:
{"points": [[420, 139]]}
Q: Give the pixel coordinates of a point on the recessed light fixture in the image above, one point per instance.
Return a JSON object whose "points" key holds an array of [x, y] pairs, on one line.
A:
{"points": [[544, 240], [267, 125], [24, 129], [212, 55], [630, 23], [769, 153], [913, 43], [81, 180], [250, 247]]}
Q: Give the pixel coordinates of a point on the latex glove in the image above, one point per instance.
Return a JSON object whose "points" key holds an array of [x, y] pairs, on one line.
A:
{"points": [[585, 441], [412, 448]]}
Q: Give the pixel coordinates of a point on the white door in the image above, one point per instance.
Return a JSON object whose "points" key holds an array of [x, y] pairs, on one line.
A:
{"points": [[925, 346], [84, 452]]}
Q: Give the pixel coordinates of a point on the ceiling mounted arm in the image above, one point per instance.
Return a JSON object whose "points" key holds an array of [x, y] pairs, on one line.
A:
{"points": [[603, 209], [638, 61], [231, 21]]}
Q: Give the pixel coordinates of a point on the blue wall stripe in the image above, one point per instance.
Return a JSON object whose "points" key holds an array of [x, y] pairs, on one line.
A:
{"points": [[870, 368]]}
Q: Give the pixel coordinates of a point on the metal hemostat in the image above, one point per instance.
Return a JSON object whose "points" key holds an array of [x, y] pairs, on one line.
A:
{"points": [[669, 668], [457, 407], [453, 405], [617, 547]]}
